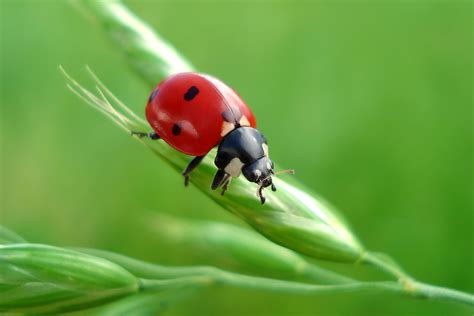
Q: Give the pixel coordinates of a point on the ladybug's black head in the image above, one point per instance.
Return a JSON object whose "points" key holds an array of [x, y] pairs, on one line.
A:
{"points": [[260, 172]]}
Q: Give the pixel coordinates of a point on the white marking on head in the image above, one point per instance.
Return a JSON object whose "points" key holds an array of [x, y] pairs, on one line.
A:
{"points": [[269, 165], [258, 173], [265, 149], [227, 128], [234, 167], [244, 121]]}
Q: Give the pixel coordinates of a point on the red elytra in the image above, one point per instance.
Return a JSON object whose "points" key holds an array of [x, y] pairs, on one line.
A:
{"points": [[192, 112]]}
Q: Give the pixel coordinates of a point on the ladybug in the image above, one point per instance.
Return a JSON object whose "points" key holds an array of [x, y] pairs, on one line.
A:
{"points": [[194, 113]]}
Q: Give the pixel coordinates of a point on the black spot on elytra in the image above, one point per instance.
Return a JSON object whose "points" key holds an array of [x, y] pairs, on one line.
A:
{"points": [[153, 95], [176, 130], [191, 93]]}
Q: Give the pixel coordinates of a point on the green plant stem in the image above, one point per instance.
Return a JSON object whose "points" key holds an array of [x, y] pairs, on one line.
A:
{"points": [[233, 279], [423, 290], [220, 277], [271, 285], [149, 270], [206, 275], [414, 288], [312, 272], [385, 266], [177, 283]]}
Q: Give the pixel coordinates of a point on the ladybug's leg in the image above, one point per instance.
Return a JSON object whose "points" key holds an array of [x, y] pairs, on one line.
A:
{"points": [[219, 178], [152, 135], [190, 167], [226, 183]]}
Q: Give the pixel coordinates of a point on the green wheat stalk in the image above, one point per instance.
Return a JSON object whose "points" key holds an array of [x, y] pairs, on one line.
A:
{"points": [[38, 278], [293, 217]]}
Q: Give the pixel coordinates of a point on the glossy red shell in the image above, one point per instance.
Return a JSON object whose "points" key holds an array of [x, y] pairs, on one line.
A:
{"points": [[191, 122]]}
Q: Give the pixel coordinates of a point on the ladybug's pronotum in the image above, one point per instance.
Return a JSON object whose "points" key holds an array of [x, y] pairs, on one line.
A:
{"points": [[194, 112]]}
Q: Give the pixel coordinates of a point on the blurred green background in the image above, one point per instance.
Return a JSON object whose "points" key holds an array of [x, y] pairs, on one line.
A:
{"points": [[370, 102]]}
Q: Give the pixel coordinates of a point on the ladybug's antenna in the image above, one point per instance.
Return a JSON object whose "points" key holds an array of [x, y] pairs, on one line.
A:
{"points": [[290, 171]]}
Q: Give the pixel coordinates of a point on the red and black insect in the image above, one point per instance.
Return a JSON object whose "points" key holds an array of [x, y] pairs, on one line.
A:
{"points": [[194, 112]]}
